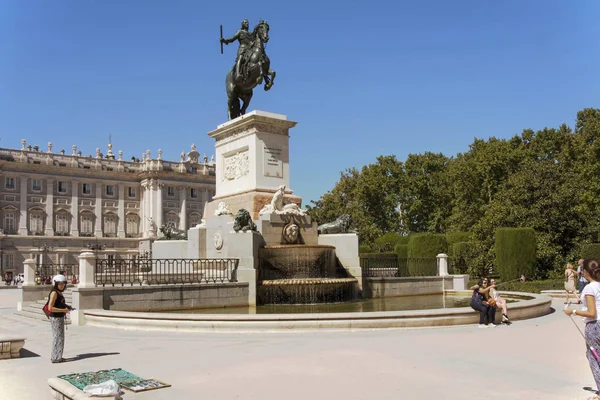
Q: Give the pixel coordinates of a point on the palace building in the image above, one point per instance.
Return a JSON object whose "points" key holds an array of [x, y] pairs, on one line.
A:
{"points": [[53, 206]]}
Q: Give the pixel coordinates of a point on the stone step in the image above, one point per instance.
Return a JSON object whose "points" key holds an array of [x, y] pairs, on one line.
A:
{"points": [[35, 314]]}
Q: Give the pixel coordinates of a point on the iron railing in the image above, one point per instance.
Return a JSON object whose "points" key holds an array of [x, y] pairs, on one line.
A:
{"points": [[45, 272], [386, 266], [165, 271]]}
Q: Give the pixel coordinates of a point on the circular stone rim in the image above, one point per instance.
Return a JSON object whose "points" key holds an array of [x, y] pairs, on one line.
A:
{"points": [[536, 305]]}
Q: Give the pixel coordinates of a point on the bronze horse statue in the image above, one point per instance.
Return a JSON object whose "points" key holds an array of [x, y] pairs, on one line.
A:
{"points": [[256, 68]]}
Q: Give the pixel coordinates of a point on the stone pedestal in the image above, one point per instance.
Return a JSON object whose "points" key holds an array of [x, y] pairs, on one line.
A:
{"points": [[86, 270], [245, 246], [346, 250], [442, 261], [86, 299], [29, 272], [252, 161]]}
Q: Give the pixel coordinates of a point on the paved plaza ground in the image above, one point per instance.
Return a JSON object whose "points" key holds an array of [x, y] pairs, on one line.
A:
{"points": [[542, 358]]}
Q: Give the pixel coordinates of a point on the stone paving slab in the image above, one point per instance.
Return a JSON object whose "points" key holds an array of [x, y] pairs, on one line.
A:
{"points": [[542, 358]]}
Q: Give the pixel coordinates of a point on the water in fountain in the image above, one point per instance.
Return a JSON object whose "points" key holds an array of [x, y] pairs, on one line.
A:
{"points": [[302, 274]]}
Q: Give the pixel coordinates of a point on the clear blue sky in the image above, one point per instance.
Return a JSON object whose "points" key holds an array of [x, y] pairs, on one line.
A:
{"points": [[361, 78]]}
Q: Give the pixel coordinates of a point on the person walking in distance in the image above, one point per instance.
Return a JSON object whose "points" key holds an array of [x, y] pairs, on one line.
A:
{"points": [[581, 281], [58, 310], [590, 297], [569, 282]]}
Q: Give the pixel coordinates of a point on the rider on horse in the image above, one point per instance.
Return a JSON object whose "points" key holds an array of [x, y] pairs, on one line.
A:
{"points": [[245, 38]]}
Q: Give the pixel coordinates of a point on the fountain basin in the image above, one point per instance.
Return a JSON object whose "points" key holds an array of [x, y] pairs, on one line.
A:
{"points": [[307, 290], [531, 306], [302, 274]]}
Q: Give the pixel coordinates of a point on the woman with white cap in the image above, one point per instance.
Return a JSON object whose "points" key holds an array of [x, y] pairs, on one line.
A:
{"points": [[58, 309]]}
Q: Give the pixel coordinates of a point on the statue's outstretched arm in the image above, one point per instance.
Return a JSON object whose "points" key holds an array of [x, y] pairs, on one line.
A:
{"points": [[231, 39]]}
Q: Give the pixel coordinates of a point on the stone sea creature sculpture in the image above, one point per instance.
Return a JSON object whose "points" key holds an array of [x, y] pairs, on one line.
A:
{"points": [[278, 206], [340, 225], [243, 221], [223, 209]]}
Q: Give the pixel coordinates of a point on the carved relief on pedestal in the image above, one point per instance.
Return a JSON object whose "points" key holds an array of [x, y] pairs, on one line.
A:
{"points": [[236, 165]]}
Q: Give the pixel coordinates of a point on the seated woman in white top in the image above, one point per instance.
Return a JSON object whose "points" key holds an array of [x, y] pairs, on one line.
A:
{"points": [[500, 302]]}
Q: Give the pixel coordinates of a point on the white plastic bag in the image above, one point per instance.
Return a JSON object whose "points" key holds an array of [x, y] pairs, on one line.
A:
{"points": [[108, 388]]}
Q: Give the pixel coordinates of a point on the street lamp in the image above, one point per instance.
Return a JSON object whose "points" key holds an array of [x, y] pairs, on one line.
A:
{"points": [[95, 247], [44, 251]]}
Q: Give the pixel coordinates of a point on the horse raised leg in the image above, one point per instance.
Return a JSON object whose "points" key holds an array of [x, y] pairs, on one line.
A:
{"points": [[269, 81]]}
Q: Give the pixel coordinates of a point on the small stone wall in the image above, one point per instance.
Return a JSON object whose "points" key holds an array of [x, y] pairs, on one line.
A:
{"points": [[393, 287], [175, 297]]}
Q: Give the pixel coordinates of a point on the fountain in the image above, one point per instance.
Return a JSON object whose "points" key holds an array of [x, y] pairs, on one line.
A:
{"points": [[285, 259], [302, 274]]}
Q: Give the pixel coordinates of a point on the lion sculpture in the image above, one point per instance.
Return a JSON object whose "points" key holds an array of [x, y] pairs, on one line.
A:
{"points": [[340, 225], [243, 221]]}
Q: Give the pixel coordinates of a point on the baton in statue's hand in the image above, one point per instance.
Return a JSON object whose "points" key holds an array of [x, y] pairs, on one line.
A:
{"points": [[221, 39]]}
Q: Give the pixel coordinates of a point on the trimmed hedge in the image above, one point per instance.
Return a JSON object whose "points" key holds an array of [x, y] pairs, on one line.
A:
{"points": [[401, 250], [529, 286], [378, 255], [386, 243], [590, 250], [457, 237], [515, 252], [460, 257], [364, 248], [426, 245]]}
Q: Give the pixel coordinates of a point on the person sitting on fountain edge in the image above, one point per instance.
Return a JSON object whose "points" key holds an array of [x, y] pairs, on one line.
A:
{"points": [[479, 302]]}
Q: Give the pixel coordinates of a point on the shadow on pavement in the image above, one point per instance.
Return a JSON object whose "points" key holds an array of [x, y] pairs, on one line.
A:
{"points": [[590, 389], [28, 353], [89, 355]]}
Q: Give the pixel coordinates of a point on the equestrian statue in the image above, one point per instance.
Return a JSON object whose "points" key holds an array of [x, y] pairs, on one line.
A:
{"points": [[252, 66]]}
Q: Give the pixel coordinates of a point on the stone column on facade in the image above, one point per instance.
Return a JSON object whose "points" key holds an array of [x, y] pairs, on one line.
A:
{"points": [[98, 210], [74, 208], [183, 208], [121, 212], [23, 207], [159, 203], [48, 231], [143, 209]]}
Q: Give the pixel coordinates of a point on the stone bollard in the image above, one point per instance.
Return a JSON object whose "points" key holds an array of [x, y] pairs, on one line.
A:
{"points": [[86, 269], [29, 272], [442, 261], [29, 292]]}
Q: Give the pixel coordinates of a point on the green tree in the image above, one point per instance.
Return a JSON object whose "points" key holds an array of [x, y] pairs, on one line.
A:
{"points": [[425, 197]]}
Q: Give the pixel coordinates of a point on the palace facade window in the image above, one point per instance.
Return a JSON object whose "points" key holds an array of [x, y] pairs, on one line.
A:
{"points": [[110, 190], [110, 225], [36, 185], [10, 222], [9, 182], [86, 224], [132, 226], [62, 187], [194, 193], [195, 219], [36, 222], [62, 224], [170, 191], [172, 220], [131, 192], [86, 188]]}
